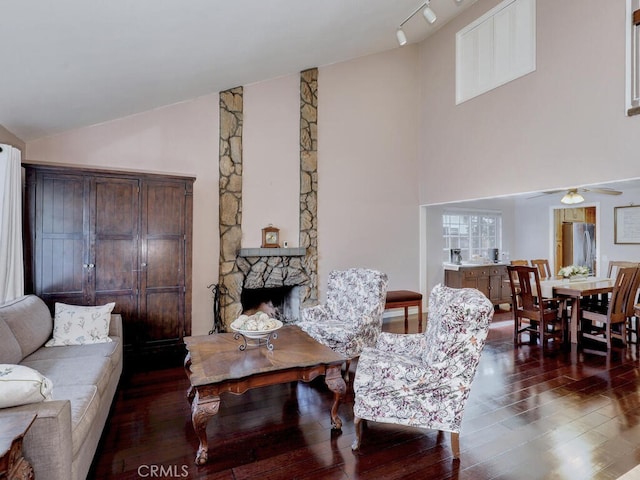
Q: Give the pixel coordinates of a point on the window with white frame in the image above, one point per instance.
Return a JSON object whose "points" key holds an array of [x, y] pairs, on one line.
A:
{"points": [[473, 232], [633, 57], [495, 49]]}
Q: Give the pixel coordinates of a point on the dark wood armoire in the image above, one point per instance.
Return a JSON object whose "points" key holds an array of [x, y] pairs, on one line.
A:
{"points": [[97, 236]]}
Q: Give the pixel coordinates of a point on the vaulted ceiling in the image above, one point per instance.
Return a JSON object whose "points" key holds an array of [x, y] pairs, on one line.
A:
{"points": [[71, 63]]}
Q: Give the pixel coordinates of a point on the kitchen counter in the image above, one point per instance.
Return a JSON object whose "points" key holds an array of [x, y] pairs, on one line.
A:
{"points": [[456, 268]]}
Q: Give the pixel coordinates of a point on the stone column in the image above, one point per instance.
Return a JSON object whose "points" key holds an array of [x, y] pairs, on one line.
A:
{"points": [[309, 182], [230, 191]]}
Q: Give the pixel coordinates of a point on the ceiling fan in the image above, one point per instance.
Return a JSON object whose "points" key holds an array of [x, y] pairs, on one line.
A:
{"points": [[573, 195]]}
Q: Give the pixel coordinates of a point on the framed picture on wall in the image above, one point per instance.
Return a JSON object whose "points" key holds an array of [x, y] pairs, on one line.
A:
{"points": [[626, 224]]}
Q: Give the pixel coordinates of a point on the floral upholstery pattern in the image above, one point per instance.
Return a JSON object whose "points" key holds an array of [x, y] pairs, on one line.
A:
{"points": [[351, 318], [423, 380]]}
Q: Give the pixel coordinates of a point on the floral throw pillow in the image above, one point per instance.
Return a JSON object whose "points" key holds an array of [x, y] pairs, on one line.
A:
{"points": [[20, 385], [76, 325]]}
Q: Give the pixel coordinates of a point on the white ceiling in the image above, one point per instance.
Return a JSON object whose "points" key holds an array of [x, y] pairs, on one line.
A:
{"points": [[72, 63]]}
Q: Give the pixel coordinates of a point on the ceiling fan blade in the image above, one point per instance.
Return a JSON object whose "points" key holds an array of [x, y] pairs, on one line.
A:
{"points": [[606, 191], [548, 192]]}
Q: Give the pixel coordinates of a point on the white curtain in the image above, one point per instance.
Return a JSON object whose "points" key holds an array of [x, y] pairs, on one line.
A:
{"points": [[11, 265]]}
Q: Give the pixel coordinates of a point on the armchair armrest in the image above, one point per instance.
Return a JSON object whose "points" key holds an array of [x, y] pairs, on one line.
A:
{"points": [[313, 314], [412, 344]]}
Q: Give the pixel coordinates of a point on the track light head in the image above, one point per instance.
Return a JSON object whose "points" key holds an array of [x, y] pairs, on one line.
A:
{"points": [[429, 15], [402, 38]]}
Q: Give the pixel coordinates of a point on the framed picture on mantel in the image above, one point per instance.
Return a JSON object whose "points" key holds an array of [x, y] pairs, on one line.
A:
{"points": [[626, 224]]}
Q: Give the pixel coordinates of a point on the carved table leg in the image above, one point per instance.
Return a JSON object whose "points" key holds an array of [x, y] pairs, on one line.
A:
{"points": [[202, 409], [187, 364], [335, 382]]}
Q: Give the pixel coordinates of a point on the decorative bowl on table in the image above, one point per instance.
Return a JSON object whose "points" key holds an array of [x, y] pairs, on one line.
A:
{"points": [[257, 326]]}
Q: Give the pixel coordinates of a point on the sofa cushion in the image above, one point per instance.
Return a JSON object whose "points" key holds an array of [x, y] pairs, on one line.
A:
{"points": [[64, 372], [73, 351], [10, 351], [80, 325], [20, 385], [30, 321], [85, 403]]}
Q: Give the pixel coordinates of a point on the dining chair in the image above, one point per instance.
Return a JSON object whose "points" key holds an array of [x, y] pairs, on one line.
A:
{"points": [[543, 267], [517, 262], [532, 313], [614, 265], [597, 325], [601, 302]]}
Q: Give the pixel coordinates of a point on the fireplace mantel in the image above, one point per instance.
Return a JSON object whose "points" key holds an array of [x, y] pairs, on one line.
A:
{"points": [[272, 252]]}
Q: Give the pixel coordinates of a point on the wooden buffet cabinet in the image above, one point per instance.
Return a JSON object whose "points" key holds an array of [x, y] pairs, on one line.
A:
{"points": [[491, 279], [97, 236]]}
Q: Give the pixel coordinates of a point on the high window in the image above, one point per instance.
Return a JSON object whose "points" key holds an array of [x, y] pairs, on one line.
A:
{"points": [[495, 49], [473, 232]]}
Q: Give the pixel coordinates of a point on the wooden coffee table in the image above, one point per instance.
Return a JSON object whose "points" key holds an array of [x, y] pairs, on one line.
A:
{"points": [[215, 364]]}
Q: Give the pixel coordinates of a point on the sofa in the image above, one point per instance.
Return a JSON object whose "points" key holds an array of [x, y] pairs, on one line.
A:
{"points": [[62, 440]]}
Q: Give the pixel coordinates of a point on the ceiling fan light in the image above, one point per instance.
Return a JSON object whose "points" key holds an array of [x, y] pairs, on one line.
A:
{"points": [[429, 15], [572, 197], [402, 38]]}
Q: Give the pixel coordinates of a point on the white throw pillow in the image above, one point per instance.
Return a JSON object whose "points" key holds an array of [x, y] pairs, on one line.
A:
{"points": [[20, 385], [76, 325]]}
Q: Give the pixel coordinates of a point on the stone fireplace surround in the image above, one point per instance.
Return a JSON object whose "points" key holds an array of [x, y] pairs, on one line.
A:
{"points": [[280, 270], [264, 268]]}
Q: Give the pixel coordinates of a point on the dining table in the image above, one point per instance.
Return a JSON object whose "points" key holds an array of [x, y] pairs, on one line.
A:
{"points": [[572, 291]]}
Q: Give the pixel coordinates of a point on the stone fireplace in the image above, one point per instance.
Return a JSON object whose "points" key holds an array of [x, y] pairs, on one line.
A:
{"points": [[287, 276], [273, 275]]}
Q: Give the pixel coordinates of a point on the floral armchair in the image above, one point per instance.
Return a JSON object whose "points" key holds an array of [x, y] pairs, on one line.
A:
{"points": [[351, 318], [423, 380]]}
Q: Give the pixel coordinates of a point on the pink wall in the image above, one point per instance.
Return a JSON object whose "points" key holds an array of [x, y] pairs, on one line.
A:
{"points": [[367, 193], [562, 125], [368, 196], [180, 138], [271, 160]]}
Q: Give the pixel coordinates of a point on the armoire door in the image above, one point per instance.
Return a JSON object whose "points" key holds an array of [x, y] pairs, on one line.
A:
{"points": [[162, 285], [59, 262], [114, 226]]}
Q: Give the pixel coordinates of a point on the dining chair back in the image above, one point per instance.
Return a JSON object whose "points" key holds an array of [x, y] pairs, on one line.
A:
{"points": [[517, 262], [600, 302], [614, 265], [543, 267], [597, 325], [538, 316]]}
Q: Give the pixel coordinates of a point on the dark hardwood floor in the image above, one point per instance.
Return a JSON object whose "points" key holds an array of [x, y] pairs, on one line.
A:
{"points": [[558, 415]]}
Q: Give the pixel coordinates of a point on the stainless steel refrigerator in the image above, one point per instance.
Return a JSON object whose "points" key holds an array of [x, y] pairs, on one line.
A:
{"points": [[579, 245]]}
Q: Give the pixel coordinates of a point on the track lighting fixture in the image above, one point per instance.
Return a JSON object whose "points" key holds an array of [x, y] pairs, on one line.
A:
{"points": [[428, 14], [402, 38]]}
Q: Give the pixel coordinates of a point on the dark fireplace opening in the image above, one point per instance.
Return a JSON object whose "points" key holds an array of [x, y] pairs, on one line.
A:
{"points": [[281, 303]]}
